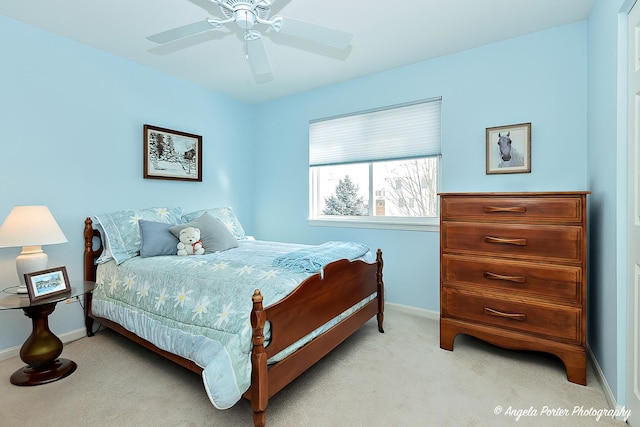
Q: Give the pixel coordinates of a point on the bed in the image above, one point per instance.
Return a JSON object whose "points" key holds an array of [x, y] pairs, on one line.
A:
{"points": [[290, 323]]}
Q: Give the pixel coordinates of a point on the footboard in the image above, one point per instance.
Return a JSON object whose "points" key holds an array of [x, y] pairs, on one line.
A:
{"points": [[315, 302], [312, 304]]}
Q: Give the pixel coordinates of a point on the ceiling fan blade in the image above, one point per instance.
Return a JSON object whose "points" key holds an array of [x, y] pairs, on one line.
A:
{"points": [[181, 32], [210, 6], [276, 5], [258, 57], [187, 42], [316, 33]]}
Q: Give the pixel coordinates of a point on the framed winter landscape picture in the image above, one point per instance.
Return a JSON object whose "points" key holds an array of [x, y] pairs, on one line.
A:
{"points": [[509, 149], [171, 154], [47, 283]]}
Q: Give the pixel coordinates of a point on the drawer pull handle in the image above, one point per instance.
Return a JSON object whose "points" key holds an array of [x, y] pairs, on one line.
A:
{"points": [[514, 316], [499, 209], [494, 276], [506, 241]]}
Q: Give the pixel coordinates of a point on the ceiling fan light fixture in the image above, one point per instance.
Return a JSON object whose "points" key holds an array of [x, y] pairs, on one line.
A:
{"points": [[245, 19]]}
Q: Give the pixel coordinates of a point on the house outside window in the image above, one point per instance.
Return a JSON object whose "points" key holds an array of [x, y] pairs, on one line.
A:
{"points": [[378, 168]]}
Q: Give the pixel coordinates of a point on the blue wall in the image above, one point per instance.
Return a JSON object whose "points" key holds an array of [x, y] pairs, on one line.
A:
{"points": [[607, 171], [71, 119], [540, 78]]}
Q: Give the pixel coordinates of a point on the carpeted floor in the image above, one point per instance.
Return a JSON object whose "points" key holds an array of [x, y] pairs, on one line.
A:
{"points": [[400, 378]]}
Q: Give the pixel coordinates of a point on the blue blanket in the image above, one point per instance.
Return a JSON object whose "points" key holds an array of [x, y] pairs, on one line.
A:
{"points": [[312, 259]]}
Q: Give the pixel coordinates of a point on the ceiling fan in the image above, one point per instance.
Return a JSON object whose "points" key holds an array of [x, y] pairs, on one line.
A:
{"points": [[247, 14]]}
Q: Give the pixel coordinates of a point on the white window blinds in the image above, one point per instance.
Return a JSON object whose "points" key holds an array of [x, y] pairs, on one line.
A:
{"points": [[392, 133]]}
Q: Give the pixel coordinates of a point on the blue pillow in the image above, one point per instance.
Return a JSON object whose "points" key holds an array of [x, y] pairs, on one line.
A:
{"points": [[156, 239]]}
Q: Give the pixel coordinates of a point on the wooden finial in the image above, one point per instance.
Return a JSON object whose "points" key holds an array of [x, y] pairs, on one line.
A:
{"points": [[257, 296]]}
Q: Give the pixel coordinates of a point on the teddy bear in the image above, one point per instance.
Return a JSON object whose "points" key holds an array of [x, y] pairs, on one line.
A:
{"points": [[190, 243]]}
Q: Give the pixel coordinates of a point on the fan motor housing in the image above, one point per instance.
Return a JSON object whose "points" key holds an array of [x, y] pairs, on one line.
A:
{"points": [[245, 19], [250, 7]]}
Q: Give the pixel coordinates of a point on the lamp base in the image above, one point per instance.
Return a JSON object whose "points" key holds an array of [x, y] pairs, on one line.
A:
{"points": [[31, 259]]}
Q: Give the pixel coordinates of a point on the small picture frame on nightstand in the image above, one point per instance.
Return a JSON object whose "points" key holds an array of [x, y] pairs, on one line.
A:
{"points": [[47, 283]]}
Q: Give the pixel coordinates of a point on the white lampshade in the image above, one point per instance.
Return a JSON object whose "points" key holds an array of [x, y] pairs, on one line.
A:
{"points": [[30, 227]]}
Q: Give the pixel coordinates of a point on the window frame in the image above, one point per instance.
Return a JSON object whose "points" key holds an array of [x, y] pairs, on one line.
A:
{"points": [[371, 220]]}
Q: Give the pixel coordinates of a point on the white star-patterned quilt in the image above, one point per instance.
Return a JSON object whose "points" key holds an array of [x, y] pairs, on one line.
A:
{"points": [[198, 306]]}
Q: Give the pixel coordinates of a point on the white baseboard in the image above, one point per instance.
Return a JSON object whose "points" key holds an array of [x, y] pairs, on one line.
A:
{"points": [[429, 314], [608, 394], [67, 337]]}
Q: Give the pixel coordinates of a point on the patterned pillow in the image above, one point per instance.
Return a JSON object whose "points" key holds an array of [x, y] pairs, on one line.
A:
{"points": [[225, 215], [122, 232], [105, 256]]}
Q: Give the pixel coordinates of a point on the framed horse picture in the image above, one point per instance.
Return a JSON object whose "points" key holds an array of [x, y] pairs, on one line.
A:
{"points": [[509, 149]]}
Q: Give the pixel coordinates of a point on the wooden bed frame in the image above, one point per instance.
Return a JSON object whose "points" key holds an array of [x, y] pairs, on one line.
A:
{"points": [[313, 303]]}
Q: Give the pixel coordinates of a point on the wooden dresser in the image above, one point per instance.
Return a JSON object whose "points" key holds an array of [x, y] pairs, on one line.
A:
{"points": [[513, 272]]}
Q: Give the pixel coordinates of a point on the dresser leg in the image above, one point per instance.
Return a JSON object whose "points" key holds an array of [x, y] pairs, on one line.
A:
{"points": [[447, 335], [576, 367]]}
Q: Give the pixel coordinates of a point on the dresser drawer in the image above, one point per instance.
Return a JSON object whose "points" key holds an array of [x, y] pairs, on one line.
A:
{"points": [[536, 318], [513, 209], [514, 277], [545, 242]]}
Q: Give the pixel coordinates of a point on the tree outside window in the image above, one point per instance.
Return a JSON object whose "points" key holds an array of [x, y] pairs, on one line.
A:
{"points": [[345, 200]]}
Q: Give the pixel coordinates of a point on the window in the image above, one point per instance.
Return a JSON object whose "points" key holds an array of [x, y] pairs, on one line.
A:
{"points": [[376, 168]]}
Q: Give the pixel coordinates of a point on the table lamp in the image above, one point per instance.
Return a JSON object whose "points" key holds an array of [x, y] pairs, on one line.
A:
{"points": [[30, 227]]}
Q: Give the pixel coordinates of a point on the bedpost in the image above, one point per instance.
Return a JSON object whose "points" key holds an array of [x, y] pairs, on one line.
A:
{"points": [[89, 254], [380, 315], [259, 379], [90, 269]]}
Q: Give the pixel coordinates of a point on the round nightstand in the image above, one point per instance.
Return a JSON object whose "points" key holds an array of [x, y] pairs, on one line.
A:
{"points": [[41, 350]]}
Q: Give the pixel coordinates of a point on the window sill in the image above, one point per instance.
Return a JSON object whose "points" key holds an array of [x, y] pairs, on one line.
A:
{"points": [[381, 225]]}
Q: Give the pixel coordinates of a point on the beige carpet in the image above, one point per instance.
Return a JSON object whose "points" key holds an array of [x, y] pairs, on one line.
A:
{"points": [[400, 378]]}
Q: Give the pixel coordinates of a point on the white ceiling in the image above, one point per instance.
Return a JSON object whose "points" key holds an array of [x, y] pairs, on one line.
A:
{"points": [[387, 34]]}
